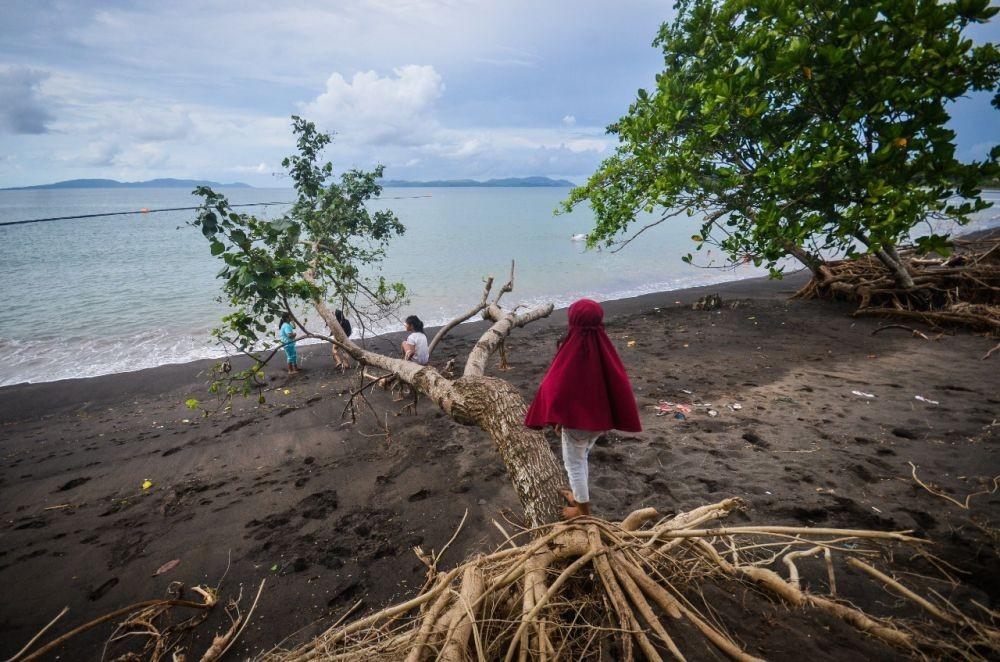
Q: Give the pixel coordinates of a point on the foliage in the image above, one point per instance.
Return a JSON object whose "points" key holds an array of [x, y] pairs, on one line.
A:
{"points": [[321, 249], [801, 124]]}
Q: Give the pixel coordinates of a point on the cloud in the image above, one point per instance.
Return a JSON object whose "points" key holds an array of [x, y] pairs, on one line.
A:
{"points": [[21, 108], [568, 120], [373, 109], [98, 154], [260, 168]]}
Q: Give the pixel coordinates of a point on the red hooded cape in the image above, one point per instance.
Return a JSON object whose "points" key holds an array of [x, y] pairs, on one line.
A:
{"points": [[586, 387]]}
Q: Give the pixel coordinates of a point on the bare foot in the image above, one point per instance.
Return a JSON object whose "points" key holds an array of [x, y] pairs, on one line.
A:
{"points": [[568, 495]]}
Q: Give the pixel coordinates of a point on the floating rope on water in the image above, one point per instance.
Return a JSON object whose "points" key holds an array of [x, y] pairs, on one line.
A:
{"points": [[155, 211]]}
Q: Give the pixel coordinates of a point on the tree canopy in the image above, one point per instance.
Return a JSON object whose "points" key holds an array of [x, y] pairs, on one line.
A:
{"points": [[801, 127], [326, 247]]}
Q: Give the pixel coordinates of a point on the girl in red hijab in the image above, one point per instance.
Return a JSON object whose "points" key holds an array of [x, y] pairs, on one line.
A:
{"points": [[587, 393]]}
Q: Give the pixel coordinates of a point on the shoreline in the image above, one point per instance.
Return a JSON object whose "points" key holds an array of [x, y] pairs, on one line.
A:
{"points": [[328, 512], [169, 374]]}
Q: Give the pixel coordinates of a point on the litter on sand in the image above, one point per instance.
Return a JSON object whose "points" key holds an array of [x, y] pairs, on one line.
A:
{"points": [[713, 413], [167, 567], [927, 400], [736, 406], [862, 394], [146, 484], [679, 416]]}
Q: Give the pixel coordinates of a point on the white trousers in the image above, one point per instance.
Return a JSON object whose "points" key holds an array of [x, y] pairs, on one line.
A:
{"points": [[576, 445]]}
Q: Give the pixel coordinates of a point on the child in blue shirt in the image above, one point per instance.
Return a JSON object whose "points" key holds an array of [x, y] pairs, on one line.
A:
{"points": [[287, 332]]}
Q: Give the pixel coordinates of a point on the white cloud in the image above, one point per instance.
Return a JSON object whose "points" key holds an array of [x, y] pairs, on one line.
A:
{"points": [[260, 168], [374, 109], [568, 120]]}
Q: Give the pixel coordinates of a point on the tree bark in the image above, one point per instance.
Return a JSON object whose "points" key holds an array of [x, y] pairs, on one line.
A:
{"points": [[495, 405], [888, 256], [490, 403], [807, 259]]}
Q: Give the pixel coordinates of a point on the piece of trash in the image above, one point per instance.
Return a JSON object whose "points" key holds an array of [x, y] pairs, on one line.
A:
{"points": [[60, 506], [631, 343], [876, 509], [766, 492], [679, 416], [862, 394], [287, 391], [167, 567], [146, 484], [684, 390], [185, 420], [928, 401], [274, 568], [713, 413], [736, 406]]}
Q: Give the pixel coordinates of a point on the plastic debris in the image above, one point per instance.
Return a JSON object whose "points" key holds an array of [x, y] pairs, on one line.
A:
{"points": [[631, 343], [713, 413], [287, 391], [684, 390], [736, 406], [862, 394], [679, 416], [146, 484], [928, 401], [167, 567]]}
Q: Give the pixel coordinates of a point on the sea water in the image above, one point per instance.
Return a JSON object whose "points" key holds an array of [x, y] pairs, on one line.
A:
{"points": [[94, 296]]}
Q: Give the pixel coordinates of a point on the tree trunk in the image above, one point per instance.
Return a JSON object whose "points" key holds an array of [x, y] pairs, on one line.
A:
{"points": [[495, 405], [807, 259], [490, 403], [888, 256]]}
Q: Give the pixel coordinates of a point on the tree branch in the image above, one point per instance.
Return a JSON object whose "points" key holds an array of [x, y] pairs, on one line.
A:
{"points": [[475, 366], [443, 331]]}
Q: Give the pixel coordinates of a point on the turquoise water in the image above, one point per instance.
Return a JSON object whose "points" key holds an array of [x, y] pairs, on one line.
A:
{"points": [[95, 296]]}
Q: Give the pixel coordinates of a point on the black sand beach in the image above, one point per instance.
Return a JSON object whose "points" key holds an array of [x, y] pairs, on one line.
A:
{"points": [[329, 513]]}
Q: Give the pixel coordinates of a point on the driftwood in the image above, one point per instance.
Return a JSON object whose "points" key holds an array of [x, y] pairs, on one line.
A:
{"points": [[572, 588], [962, 290]]}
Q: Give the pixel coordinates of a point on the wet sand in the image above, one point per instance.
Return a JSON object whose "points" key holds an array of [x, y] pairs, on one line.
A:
{"points": [[329, 512]]}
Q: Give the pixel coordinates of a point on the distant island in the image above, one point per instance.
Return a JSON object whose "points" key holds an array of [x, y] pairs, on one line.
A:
{"points": [[111, 183], [468, 183]]}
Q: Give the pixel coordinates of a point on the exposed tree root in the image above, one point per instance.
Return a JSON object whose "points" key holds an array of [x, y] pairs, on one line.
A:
{"points": [[575, 588], [961, 290]]}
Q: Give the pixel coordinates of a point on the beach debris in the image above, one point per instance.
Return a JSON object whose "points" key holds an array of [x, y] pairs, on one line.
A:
{"points": [[631, 343], [167, 567], [274, 568], [684, 390], [287, 391], [679, 416], [994, 485], [927, 400], [708, 302], [862, 394], [713, 413], [146, 484], [735, 406], [59, 507]]}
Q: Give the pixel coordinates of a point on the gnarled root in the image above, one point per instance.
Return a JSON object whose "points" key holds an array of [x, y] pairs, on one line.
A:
{"points": [[961, 290], [576, 588]]}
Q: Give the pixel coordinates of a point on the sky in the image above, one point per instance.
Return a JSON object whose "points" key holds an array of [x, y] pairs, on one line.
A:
{"points": [[432, 89]]}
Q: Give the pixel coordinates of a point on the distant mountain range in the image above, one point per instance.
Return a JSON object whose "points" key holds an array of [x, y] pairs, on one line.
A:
{"points": [[494, 183], [111, 183]]}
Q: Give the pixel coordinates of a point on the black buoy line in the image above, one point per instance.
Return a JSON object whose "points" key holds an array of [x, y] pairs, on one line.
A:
{"points": [[154, 211]]}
